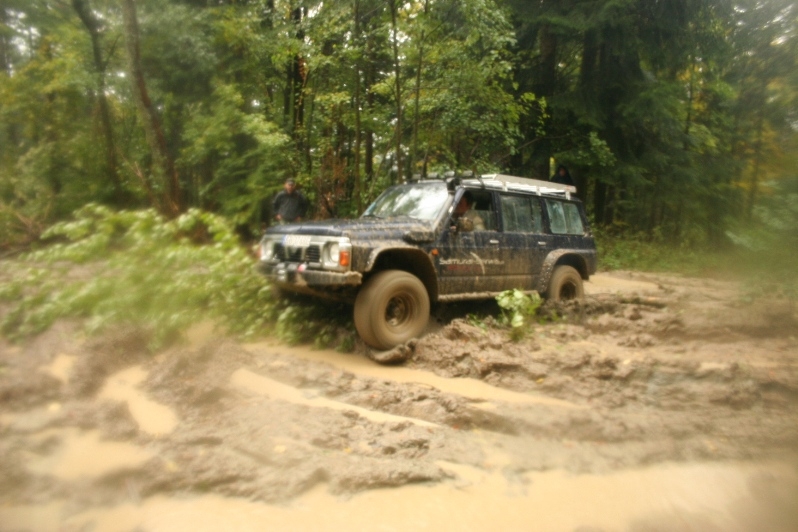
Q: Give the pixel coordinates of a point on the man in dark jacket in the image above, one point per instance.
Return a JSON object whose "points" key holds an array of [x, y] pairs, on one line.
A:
{"points": [[562, 176], [290, 205]]}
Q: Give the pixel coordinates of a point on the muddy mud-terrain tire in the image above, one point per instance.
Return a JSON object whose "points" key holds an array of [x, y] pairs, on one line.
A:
{"points": [[391, 308], [565, 283]]}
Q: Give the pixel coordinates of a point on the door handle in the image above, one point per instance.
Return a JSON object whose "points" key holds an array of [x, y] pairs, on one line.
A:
{"points": [[493, 241], [542, 243]]}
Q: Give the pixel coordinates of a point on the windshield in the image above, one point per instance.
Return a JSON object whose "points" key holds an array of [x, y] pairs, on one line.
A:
{"points": [[418, 201]]}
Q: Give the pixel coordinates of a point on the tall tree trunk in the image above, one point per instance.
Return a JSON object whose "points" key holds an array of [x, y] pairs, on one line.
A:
{"points": [[5, 45], [587, 90], [599, 201], [545, 86], [298, 76], [753, 188], [416, 114], [397, 87], [370, 76], [83, 9], [309, 127], [587, 70], [358, 133], [268, 15], [688, 121], [163, 164]]}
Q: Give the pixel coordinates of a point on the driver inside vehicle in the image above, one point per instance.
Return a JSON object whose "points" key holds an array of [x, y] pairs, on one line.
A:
{"points": [[464, 218]]}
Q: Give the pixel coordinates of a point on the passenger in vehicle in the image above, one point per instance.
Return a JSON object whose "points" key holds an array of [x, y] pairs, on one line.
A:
{"points": [[464, 217]]}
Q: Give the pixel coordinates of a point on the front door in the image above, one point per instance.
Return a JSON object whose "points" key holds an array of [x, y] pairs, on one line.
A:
{"points": [[471, 261]]}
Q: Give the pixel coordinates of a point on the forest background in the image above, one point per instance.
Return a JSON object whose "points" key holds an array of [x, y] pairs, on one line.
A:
{"points": [[678, 119]]}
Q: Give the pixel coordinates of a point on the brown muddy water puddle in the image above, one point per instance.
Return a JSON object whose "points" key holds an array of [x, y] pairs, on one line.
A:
{"points": [[82, 454], [152, 417], [728, 497], [613, 284], [85, 454], [61, 366]]}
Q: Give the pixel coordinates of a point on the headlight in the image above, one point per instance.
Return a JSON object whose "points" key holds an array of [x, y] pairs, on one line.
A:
{"points": [[266, 250], [334, 252]]}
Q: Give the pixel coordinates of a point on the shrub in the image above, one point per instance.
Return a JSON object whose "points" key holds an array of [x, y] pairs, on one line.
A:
{"points": [[517, 307], [112, 267]]}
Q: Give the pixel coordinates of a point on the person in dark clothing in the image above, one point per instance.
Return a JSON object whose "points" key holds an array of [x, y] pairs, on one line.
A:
{"points": [[290, 205], [562, 176]]}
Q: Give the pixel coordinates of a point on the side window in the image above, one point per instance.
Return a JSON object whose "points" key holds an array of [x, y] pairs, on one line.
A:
{"points": [[521, 214], [573, 220], [482, 212], [564, 218]]}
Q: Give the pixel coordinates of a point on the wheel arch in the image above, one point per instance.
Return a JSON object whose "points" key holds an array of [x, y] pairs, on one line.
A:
{"points": [[561, 257], [411, 260]]}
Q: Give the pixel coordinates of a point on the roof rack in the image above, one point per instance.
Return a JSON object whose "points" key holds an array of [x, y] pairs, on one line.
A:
{"points": [[511, 182], [506, 182]]}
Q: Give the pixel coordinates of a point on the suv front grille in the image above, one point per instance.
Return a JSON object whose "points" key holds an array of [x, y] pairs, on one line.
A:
{"points": [[309, 254], [313, 254]]}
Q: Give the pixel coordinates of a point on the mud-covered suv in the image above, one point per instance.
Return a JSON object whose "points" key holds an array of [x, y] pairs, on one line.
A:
{"points": [[413, 247]]}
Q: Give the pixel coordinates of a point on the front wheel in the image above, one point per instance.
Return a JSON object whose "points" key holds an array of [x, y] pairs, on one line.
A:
{"points": [[391, 308], [565, 283]]}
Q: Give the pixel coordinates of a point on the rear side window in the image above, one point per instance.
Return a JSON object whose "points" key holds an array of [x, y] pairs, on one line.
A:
{"points": [[521, 214], [564, 218]]}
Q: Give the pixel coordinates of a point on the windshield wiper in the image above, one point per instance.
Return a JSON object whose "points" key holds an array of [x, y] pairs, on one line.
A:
{"points": [[371, 216]]}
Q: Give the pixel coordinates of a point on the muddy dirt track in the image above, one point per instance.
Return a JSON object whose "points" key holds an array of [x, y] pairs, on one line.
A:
{"points": [[662, 403]]}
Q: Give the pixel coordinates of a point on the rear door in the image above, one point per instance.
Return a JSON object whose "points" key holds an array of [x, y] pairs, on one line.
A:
{"points": [[523, 241]]}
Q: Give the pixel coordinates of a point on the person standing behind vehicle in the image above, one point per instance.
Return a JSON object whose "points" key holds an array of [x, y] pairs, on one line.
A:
{"points": [[562, 176], [290, 205]]}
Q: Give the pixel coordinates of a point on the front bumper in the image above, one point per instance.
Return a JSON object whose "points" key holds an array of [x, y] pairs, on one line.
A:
{"points": [[298, 275]]}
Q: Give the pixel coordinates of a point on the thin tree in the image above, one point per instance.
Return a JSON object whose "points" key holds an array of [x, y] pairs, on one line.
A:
{"points": [[163, 164], [86, 15], [397, 87], [358, 133]]}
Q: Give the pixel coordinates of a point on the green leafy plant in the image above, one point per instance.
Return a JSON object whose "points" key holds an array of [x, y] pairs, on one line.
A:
{"points": [[517, 307], [476, 320], [110, 267]]}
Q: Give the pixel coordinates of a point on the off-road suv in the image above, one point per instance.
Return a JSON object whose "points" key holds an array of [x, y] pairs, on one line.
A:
{"points": [[411, 248]]}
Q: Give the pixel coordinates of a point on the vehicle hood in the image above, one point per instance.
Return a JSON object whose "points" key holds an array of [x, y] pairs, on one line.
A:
{"points": [[360, 229]]}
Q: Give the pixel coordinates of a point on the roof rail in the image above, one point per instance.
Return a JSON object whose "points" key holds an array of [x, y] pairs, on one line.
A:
{"points": [[510, 182]]}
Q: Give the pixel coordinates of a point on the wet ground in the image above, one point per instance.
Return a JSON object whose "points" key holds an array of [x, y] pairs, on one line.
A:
{"points": [[662, 403]]}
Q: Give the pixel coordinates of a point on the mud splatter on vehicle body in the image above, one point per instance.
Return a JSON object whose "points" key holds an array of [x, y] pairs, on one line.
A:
{"points": [[409, 250]]}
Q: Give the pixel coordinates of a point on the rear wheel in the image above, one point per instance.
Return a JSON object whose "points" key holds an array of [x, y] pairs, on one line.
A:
{"points": [[391, 308], [565, 283]]}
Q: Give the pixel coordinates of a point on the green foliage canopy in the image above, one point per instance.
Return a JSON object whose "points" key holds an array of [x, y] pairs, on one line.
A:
{"points": [[670, 115]]}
